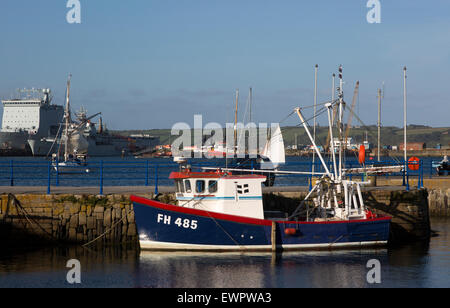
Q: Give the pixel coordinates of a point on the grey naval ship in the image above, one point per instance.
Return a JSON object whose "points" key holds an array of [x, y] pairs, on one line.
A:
{"points": [[31, 124], [30, 114]]}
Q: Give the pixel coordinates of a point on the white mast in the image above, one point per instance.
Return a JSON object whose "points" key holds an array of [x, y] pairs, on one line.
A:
{"points": [[341, 112], [333, 89], [67, 119], [315, 111], [250, 107], [303, 122], [330, 109], [379, 123], [235, 122], [404, 114]]}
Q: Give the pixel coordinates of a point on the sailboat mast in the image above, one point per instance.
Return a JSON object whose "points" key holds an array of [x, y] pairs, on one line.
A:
{"points": [[67, 118], [250, 107], [235, 121]]}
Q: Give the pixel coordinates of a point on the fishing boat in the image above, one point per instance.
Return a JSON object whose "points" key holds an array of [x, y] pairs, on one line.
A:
{"points": [[221, 211]]}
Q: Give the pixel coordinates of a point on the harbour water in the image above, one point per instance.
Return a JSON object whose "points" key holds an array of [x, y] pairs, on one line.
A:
{"points": [[417, 265], [129, 171]]}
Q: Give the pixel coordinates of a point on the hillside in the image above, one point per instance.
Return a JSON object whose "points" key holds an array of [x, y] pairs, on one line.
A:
{"points": [[389, 135]]}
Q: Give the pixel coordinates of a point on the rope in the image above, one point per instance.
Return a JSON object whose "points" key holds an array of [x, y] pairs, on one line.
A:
{"points": [[225, 231], [108, 230], [20, 208]]}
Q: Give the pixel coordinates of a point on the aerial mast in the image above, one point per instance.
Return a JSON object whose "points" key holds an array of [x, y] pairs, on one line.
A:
{"points": [[235, 121]]}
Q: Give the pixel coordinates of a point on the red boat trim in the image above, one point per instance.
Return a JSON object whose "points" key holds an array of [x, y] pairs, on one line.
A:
{"points": [[211, 175], [174, 208], [238, 219]]}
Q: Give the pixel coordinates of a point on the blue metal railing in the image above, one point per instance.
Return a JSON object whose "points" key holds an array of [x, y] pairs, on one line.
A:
{"points": [[156, 173]]}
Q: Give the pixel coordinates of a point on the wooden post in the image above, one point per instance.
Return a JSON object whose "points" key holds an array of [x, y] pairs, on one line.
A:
{"points": [[274, 236]]}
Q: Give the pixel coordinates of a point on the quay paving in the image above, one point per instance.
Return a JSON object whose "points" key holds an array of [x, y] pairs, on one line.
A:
{"points": [[127, 190]]}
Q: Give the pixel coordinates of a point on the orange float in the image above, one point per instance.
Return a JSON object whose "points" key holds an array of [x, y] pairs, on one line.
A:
{"points": [[362, 154], [414, 163]]}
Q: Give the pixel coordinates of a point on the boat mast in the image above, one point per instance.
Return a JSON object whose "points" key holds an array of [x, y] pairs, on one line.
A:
{"points": [[315, 112], [67, 119], [331, 123], [305, 125], [250, 107], [341, 112], [404, 115], [235, 121], [379, 123]]}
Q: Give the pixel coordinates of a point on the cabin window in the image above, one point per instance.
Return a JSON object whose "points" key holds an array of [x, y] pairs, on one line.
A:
{"points": [[200, 186], [187, 185], [242, 189], [212, 186], [180, 186]]}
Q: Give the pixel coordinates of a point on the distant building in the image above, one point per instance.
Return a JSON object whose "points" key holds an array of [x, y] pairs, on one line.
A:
{"points": [[412, 146], [350, 145]]}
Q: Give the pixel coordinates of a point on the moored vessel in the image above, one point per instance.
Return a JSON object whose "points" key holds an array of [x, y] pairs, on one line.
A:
{"points": [[29, 115], [219, 210]]}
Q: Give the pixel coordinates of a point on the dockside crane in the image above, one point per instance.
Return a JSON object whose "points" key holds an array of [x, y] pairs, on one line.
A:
{"points": [[350, 116]]}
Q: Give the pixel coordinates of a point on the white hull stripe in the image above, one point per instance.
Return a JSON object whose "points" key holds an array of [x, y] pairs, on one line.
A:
{"points": [[151, 245]]}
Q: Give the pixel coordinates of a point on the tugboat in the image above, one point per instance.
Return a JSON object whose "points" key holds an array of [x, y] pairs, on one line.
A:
{"points": [[221, 211]]}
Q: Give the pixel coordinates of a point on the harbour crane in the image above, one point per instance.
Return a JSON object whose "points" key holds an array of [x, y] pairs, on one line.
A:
{"points": [[350, 116]]}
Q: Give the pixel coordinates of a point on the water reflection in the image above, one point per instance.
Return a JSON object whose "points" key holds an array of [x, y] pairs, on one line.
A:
{"points": [[419, 265]]}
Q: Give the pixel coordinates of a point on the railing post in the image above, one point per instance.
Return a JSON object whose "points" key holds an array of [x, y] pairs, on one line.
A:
{"points": [[146, 173], [310, 177], [404, 173], [57, 172], [407, 176], [156, 179], [101, 177], [49, 168], [420, 185], [11, 175], [431, 168]]}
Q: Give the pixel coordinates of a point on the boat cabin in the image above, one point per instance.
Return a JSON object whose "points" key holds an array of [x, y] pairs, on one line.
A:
{"points": [[221, 192]]}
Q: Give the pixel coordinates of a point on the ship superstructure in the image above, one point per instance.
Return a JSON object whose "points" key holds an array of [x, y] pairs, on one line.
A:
{"points": [[31, 124], [29, 114]]}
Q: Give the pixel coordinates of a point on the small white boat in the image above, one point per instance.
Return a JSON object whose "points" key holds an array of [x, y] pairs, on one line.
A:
{"points": [[72, 165]]}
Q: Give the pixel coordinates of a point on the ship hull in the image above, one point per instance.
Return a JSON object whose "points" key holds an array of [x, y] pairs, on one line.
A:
{"points": [[167, 227], [14, 141], [96, 148], [43, 148]]}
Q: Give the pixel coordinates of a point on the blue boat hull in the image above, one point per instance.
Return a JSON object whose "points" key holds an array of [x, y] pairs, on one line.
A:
{"points": [[167, 227]]}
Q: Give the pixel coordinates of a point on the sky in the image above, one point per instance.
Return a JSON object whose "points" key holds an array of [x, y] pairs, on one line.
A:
{"points": [[152, 63]]}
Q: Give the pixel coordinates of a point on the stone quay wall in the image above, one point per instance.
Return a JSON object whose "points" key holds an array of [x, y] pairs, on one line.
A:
{"points": [[28, 219], [438, 199]]}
